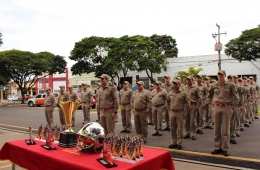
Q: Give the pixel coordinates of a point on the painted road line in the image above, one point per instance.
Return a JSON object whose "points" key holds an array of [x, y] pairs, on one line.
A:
{"points": [[6, 166], [206, 154], [20, 127], [3, 162], [10, 134]]}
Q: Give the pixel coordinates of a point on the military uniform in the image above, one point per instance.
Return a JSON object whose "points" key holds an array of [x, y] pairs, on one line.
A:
{"points": [[159, 105], [108, 104], [247, 105], [72, 97], [256, 100], [177, 102], [194, 103], [63, 97], [223, 95], [49, 104], [207, 109], [201, 109], [251, 106], [86, 102], [125, 97], [97, 107], [168, 88], [140, 104], [150, 116]]}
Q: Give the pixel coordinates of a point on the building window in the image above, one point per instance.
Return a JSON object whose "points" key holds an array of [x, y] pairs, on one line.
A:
{"points": [[161, 79], [146, 82]]}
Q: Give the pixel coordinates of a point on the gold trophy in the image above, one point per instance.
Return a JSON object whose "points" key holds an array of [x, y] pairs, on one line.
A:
{"points": [[68, 137]]}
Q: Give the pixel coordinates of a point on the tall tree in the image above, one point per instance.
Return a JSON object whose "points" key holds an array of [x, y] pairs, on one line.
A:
{"points": [[1, 40], [26, 68], [246, 46]]}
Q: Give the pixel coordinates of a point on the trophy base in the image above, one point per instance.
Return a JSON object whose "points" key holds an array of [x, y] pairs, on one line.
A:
{"points": [[30, 142], [68, 140], [105, 163], [48, 147]]}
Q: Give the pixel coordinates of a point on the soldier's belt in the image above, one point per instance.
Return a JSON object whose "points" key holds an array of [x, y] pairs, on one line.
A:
{"points": [[85, 102], [125, 104], [193, 103], [139, 110], [177, 110], [107, 109], [223, 104], [48, 105], [158, 105]]}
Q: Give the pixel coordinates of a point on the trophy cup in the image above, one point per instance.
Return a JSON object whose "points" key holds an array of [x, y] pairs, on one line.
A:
{"points": [[30, 141], [68, 137], [48, 131]]}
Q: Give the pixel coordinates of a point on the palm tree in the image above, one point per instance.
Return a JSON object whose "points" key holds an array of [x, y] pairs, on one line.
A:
{"points": [[191, 72]]}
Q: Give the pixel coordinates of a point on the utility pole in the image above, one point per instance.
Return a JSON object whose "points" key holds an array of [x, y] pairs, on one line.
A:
{"points": [[218, 45]]}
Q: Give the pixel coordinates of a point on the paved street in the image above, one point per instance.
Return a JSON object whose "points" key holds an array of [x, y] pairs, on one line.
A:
{"points": [[244, 154]]}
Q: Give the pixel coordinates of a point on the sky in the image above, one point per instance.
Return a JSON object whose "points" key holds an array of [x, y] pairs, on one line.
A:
{"points": [[56, 25]]}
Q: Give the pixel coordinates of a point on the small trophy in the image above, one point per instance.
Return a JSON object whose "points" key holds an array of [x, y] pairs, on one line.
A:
{"points": [[106, 160], [48, 133], [30, 140]]}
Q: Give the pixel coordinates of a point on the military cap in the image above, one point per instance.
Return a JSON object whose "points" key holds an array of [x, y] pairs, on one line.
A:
{"points": [[70, 86], [62, 86], [230, 76], [140, 82], [244, 77], [235, 76], [251, 77], [199, 76], [176, 81], [105, 76], [167, 76], [84, 84], [48, 88], [126, 82], [221, 72], [189, 77], [158, 83], [152, 85], [208, 78], [240, 79]]}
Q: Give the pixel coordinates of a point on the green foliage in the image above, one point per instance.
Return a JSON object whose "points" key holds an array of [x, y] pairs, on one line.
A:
{"points": [[191, 72], [1, 40], [26, 68], [123, 54], [246, 46]]}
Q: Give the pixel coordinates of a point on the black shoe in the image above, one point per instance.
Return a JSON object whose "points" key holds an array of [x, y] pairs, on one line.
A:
{"points": [[210, 127], [247, 125], [128, 131], [186, 136], [193, 138], [123, 131], [167, 129], [171, 146], [206, 127], [217, 151], [149, 123], [225, 153], [159, 134], [179, 147], [200, 132], [155, 134], [233, 141], [241, 129], [256, 117], [250, 122], [237, 135]]}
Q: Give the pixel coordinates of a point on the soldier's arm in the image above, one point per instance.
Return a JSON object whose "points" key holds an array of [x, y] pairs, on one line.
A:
{"points": [[165, 94], [198, 97], [210, 95], [149, 102], [130, 95], [53, 101], [186, 104], [168, 101], [91, 98], [115, 97], [235, 95]]}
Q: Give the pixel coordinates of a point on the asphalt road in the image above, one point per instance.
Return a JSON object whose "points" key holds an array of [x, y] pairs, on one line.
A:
{"points": [[244, 154]]}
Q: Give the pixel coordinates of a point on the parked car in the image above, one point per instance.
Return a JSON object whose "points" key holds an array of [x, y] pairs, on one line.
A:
{"points": [[39, 100], [93, 102], [26, 97], [12, 98]]}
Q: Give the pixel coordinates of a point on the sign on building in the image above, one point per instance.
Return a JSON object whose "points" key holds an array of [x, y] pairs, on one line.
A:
{"points": [[83, 81]]}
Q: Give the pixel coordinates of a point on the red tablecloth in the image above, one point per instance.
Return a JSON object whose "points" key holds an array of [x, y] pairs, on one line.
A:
{"points": [[35, 157]]}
